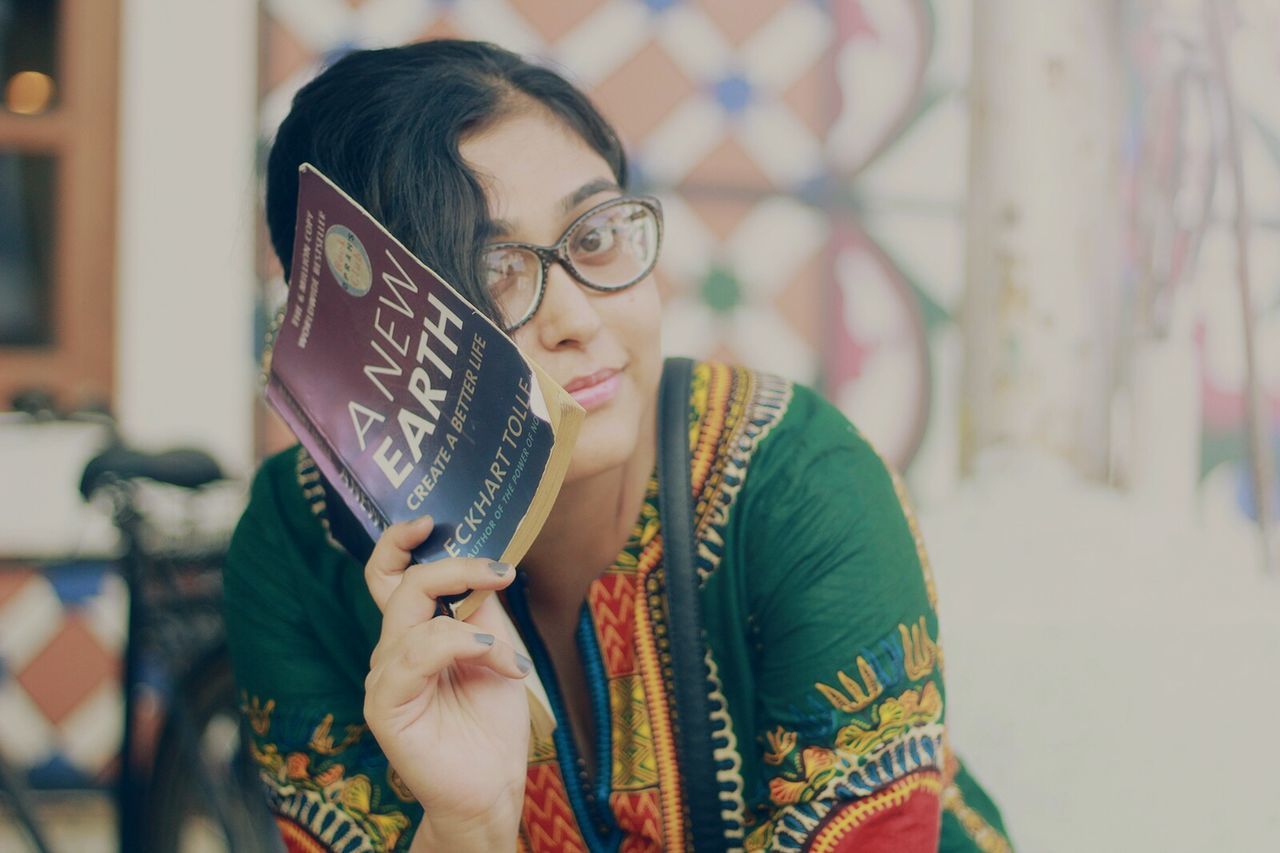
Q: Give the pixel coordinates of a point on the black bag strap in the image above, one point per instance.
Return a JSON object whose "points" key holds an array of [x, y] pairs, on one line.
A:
{"points": [[694, 755]]}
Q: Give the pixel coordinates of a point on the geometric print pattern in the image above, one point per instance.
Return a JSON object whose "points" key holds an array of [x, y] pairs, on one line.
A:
{"points": [[61, 639], [637, 798]]}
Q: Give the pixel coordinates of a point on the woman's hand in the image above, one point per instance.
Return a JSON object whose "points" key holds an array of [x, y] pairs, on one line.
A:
{"points": [[445, 699]]}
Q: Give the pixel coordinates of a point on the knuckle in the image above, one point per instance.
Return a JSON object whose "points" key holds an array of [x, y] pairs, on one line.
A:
{"points": [[414, 575], [414, 657]]}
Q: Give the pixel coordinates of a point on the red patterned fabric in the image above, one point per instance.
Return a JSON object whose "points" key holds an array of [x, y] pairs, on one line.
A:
{"points": [[296, 837], [903, 818], [548, 822]]}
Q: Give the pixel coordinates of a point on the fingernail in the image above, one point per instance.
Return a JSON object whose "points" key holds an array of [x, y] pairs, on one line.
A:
{"points": [[499, 569], [523, 664], [484, 639]]}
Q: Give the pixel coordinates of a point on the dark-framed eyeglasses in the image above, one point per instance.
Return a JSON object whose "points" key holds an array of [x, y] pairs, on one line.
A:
{"points": [[609, 248]]}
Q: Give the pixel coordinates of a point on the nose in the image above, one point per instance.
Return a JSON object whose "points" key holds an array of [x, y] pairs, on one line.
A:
{"points": [[568, 314]]}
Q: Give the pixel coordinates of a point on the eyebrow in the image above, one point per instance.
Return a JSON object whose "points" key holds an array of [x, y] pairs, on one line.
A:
{"points": [[500, 227]]}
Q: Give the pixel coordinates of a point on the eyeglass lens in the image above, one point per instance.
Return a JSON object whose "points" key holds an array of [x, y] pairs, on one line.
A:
{"points": [[611, 248]]}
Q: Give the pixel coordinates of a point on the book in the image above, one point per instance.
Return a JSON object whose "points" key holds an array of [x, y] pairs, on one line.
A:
{"points": [[410, 400]]}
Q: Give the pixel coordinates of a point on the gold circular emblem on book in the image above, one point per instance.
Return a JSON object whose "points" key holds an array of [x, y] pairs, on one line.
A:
{"points": [[348, 260]]}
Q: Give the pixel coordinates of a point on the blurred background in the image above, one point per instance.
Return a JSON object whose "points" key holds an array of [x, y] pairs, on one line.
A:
{"points": [[1031, 248]]}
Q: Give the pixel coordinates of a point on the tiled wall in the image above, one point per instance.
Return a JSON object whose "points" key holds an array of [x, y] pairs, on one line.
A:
{"points": [[811, 156], [61, 635], [804, 151]]}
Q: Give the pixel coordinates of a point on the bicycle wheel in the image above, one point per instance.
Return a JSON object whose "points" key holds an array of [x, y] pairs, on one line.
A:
{"points": [[205, 794]]}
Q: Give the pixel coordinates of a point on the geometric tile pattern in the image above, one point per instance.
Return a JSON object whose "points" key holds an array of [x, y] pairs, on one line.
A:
{"points": [[61, 640], [62, 645], [761, 125]]}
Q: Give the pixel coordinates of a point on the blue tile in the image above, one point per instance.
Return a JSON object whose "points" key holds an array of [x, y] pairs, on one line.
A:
{"points": [[58, 772], [336, 52], [733, 93], [76, 583]]}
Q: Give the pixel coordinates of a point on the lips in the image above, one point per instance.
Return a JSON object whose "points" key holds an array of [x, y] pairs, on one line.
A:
{"points": [[595, 389], [590, 379]]}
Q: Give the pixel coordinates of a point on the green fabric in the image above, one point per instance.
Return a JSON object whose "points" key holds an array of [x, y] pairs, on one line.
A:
{"points": [[813, 578]]}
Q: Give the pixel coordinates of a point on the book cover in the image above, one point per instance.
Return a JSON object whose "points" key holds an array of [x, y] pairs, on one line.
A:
{"points": [[410, 400]]}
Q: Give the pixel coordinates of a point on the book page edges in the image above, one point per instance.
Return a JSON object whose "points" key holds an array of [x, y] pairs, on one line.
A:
{"points": [[326, 459], [566, 422]]}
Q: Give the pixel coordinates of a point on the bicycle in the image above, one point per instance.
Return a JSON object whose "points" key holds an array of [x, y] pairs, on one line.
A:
{"points": [[200, 790], [202, 787]]}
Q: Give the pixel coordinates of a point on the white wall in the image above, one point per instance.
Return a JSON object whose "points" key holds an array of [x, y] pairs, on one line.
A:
{"points": [[185, 276]]}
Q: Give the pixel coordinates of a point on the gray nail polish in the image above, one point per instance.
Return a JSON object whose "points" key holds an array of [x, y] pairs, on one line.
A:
{"points": [[499, 569], [484, 639], [523, 664]]}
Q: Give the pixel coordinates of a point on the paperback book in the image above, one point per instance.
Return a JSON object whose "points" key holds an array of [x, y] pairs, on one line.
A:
{"points": [[410, 400]]}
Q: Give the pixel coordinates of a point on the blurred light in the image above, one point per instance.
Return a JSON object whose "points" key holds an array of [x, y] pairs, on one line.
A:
{"points": [[28, 93]]}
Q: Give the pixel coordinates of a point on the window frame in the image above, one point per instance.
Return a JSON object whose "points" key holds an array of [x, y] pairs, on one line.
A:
{"points": [[81, 134]]}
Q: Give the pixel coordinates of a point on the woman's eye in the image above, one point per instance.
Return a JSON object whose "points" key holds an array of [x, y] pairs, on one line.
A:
{"points": [[594, 242]]}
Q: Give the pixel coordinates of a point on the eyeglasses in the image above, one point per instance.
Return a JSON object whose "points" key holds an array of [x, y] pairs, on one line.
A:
{"points": [[609, 248]]}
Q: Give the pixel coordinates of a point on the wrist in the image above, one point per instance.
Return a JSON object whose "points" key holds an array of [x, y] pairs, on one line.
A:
{"points": [[489, 833], [430, 839]]}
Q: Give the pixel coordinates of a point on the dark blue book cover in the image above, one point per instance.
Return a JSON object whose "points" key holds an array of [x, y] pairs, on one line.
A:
{"points": [[410, 400]]}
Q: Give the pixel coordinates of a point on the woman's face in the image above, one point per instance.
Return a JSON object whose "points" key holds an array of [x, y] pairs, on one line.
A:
{"points": [[602, 347]]}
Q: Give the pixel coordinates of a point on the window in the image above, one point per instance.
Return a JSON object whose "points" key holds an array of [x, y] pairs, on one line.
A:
{"points": [[58, 70]]}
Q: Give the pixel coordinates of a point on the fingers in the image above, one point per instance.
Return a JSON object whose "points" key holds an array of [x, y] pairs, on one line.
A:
{"points": [[391, 556], [425, 651], [414, 598]]}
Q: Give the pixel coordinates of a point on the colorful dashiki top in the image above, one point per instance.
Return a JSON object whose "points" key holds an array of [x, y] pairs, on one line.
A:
{"points": [[822, 641]]}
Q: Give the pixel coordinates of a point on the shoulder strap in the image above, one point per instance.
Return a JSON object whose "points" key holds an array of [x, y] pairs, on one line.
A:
{"points": [[688, 651]]}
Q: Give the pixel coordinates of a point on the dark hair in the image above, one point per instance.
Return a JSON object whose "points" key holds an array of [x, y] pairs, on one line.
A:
{"points": [[385, 125]]}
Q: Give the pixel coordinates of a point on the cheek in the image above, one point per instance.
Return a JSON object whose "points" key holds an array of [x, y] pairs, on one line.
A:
{"points": [[524, 338], [635, 318]]}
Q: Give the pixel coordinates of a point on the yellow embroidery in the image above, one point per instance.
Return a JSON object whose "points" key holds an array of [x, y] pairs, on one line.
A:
{"points": [[759, 839], [859, 697], [781, 742], [900, 488], [896, 716], [322, 741], [817, 759], [331, 775], [785, 792], [984, 835], [303, 775], [295, 766], [268, 758], [356, 794], [259, 714], [919, 652], [817, 767], [390, 826]]}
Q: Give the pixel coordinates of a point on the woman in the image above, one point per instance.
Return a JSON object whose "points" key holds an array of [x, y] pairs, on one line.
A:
{"points": [[378, 726]]}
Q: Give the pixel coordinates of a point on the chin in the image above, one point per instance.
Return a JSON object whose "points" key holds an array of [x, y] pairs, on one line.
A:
{"points": [[601, 446], [608, 439]]}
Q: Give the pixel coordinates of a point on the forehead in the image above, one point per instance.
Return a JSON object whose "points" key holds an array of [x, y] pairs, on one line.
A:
{"points": [[529, 163]]}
